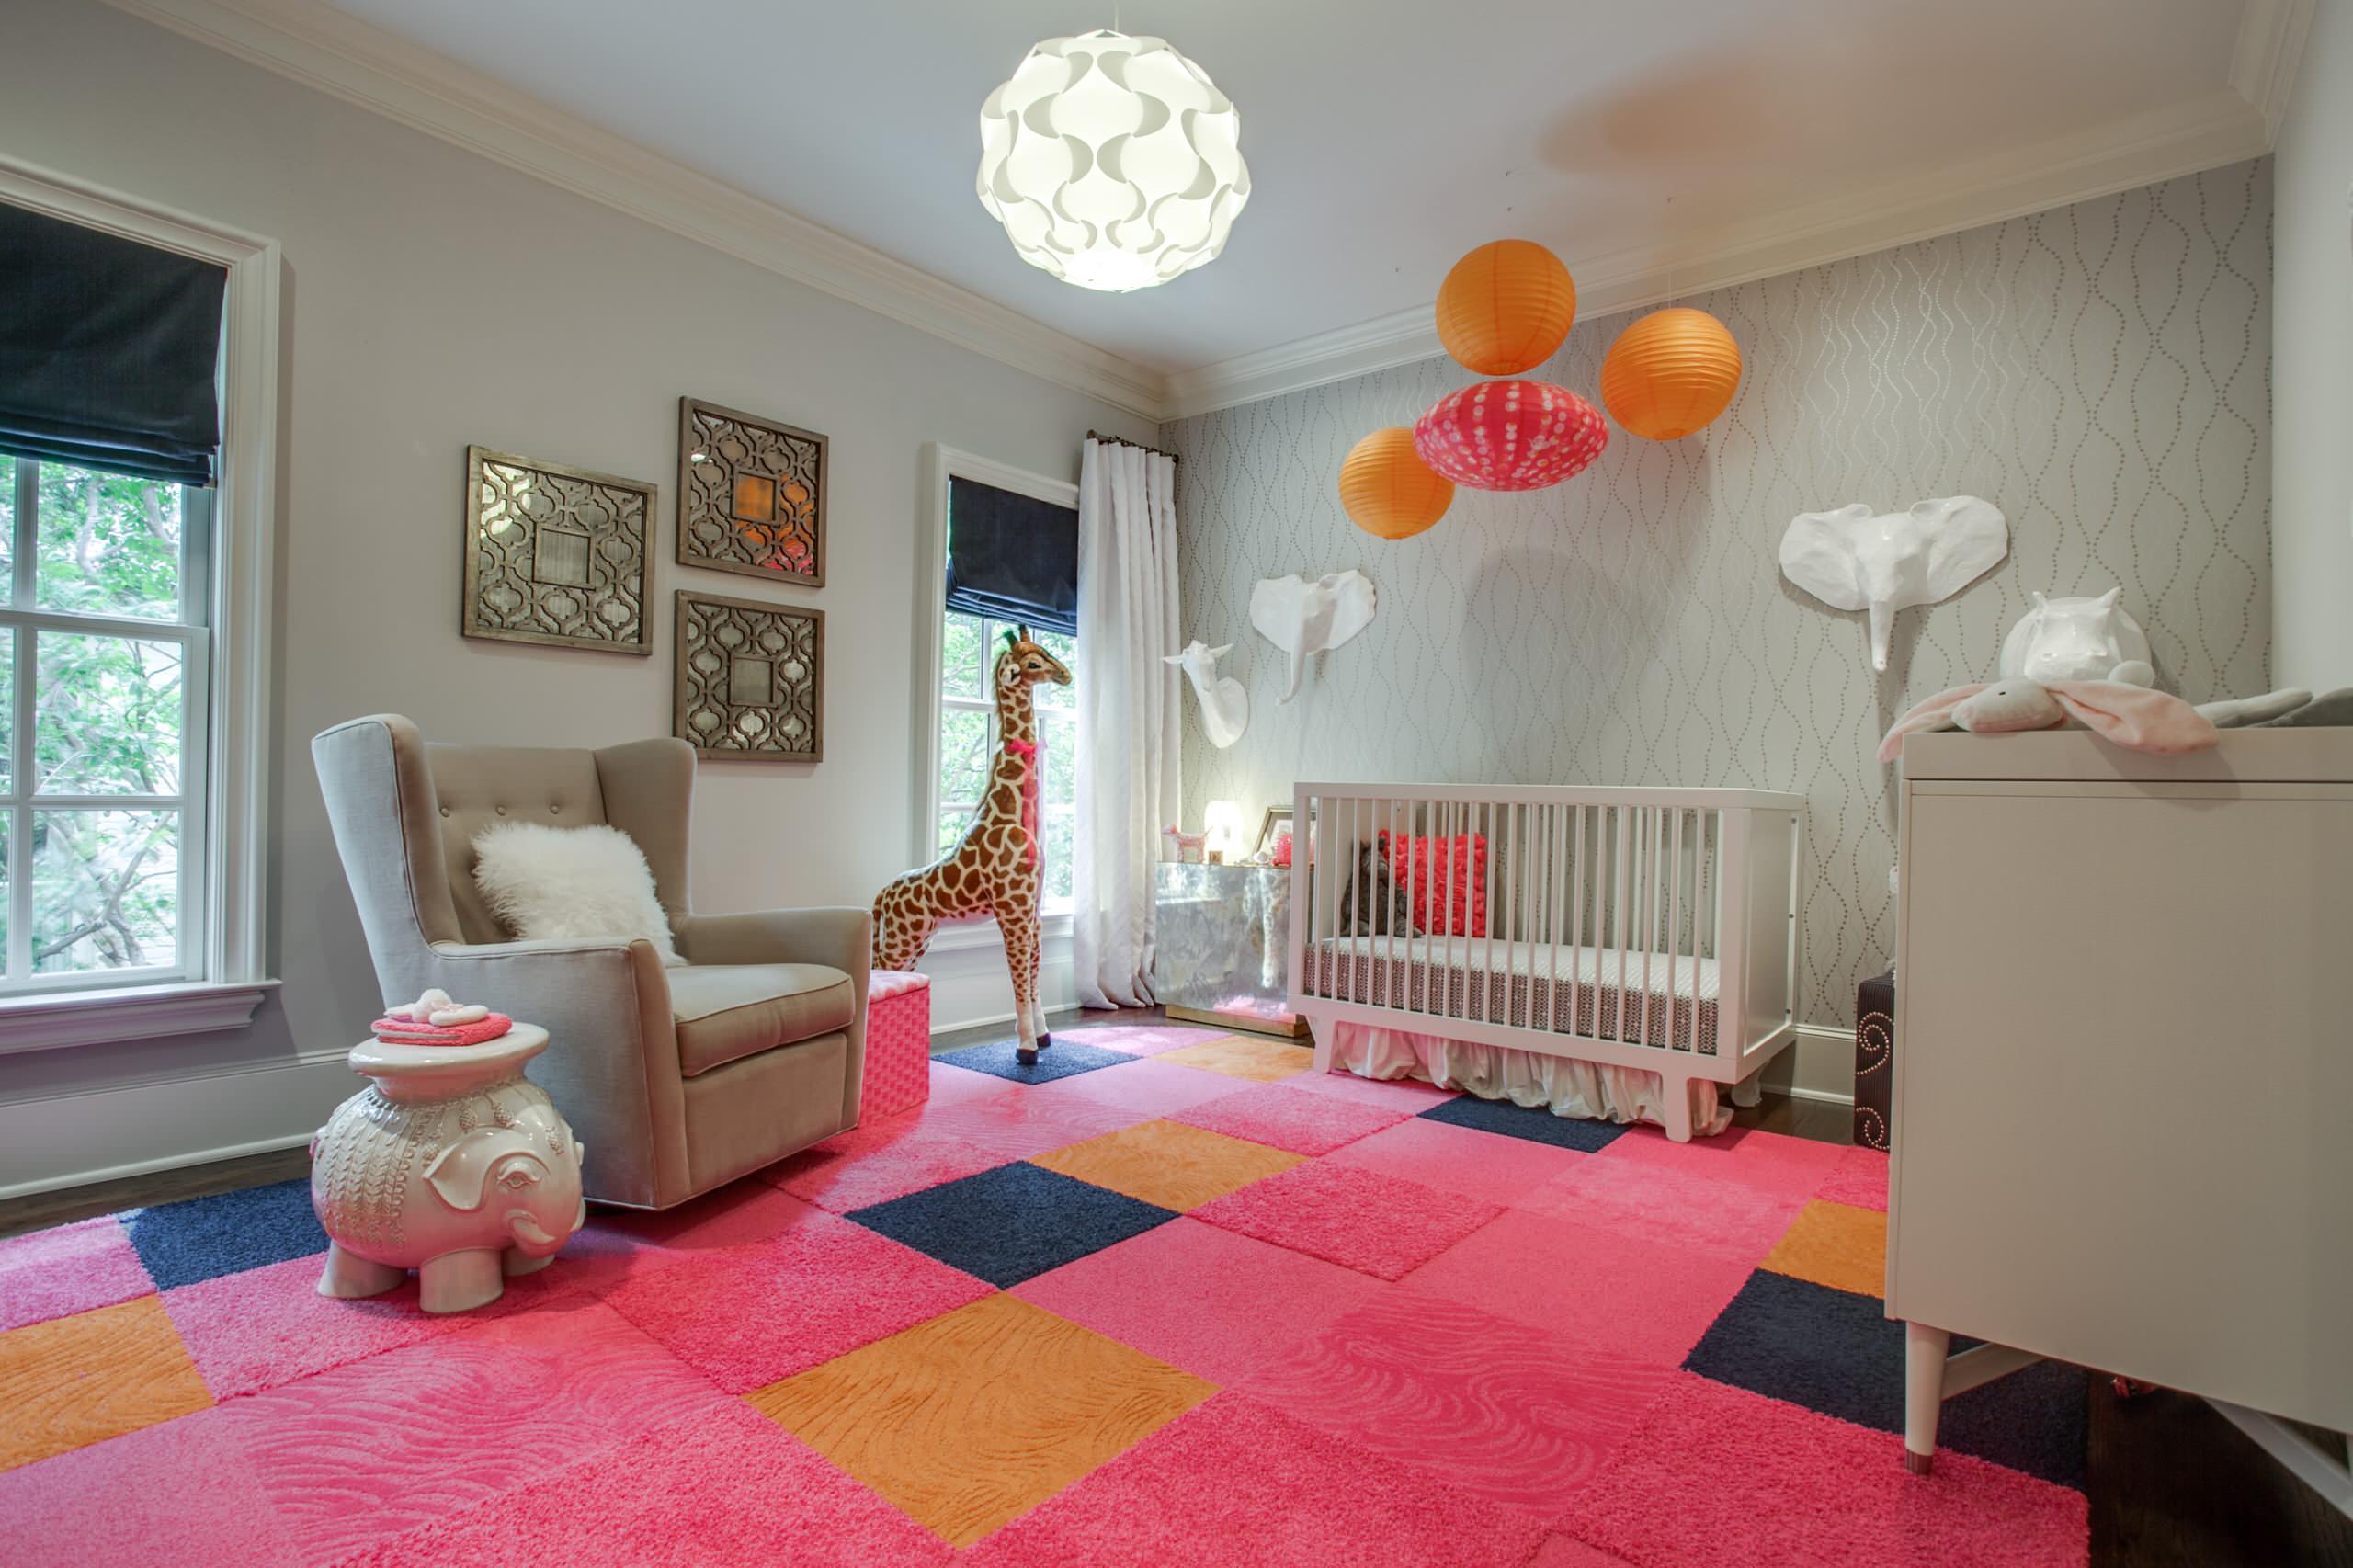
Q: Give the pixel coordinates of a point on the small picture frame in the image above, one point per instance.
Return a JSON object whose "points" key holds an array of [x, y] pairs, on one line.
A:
{"points": [[750, 679], [1272, 826], [556, 556], [751, 494]]}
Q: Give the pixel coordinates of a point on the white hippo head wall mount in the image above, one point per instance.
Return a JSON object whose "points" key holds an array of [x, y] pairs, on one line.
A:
{"points": [[1305, 617], [2087, 639], [1225, 707], [1854, 559]]}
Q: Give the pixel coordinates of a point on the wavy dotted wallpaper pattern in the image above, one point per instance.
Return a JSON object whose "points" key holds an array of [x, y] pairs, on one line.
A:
{"points": [[2100, 372]]}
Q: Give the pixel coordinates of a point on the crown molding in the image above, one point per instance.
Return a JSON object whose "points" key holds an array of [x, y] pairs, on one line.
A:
{"points": [[2263, 63], [345, 58], [2204, 133]]}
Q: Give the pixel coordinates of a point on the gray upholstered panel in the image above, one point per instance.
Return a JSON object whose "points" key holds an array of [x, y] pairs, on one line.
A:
{"points": [[479, 787]]}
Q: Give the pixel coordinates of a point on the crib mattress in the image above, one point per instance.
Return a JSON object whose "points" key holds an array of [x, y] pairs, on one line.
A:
{"points": [[1567, 990]]}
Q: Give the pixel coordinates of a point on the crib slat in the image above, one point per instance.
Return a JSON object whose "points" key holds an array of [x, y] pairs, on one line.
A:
{"points": [[1673, 921]]}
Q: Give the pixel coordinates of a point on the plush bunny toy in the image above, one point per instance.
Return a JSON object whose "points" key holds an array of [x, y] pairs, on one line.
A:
{"points": [[2132, 716]]}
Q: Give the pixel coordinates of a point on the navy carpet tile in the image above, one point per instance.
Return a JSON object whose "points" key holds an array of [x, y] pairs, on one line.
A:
{"points": [[1537, 1124], [1012, 1223], [1061, 1060], [1839, 1354], [204, 1238]]}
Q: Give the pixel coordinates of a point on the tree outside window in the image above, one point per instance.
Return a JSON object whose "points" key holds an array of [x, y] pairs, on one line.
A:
{"points": [[101, 642], [967, 742]]}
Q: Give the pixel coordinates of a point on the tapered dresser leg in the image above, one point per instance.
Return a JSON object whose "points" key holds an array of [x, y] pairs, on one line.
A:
{"points": [[1923, 1388]]}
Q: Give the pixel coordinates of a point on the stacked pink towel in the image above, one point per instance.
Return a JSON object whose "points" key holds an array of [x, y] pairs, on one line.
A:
{"points": [[406, 1031]]}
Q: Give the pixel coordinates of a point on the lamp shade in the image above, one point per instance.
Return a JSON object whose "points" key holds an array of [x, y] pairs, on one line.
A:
{"points": [[1113, 161], [1670, 373], [1511, 435], [1506, 307], [1387, 488]]}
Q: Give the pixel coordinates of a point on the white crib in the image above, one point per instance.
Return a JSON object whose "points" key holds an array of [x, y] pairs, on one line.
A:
{"points": [[1649, 929]]}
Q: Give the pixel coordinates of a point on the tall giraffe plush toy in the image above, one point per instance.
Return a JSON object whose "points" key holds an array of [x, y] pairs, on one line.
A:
{"points": [[994, 867]]}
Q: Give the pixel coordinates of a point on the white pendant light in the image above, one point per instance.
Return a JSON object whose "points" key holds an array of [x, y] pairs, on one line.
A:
{"points": [[1113, 161]]}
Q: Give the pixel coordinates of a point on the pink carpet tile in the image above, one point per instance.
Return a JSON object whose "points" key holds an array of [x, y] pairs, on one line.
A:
{"points": [[1787, 1486], [1283, 1118], [1139, 1041], [1728, 1218], [1361, 1220], [1215, 1304], [1616, 1291], [819, 1288], [1023, 1125], [179, 1493], [1235, 1484], [1461, 1160], [1497, 1408], [69, 1269], [1409, 1094], [725, 1486], [1860, 1179], [1149, 1088], [371, 1449], [1568, 1551], [843, 1180], [252, 1331], [1423, 1343], [1793, 1168]]}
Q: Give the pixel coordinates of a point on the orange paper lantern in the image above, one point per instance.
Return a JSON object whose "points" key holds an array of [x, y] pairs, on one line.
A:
{"points": [[1388, 490], [1506, 307], [1670, 373]]}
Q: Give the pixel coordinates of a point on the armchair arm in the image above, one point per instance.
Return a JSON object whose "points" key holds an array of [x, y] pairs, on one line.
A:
{"points": [[611, 1064], [841, 937]]}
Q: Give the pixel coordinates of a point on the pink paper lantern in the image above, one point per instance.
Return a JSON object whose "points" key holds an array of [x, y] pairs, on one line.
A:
{"points": [[1511, 435]]}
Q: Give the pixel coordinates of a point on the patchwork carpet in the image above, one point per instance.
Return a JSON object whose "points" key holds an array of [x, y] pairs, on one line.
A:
{"points": [[1174, 1300]]}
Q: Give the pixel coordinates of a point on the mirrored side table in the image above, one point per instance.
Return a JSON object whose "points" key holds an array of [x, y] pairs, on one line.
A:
{"points": [[1222, 942]]}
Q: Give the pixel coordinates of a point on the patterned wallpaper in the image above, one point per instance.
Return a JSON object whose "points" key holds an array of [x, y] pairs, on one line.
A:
{"points": [[2100, 372]]}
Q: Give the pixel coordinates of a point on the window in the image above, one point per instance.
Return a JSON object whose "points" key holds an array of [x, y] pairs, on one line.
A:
{"points": [[969, 646], [1015, 562], [102, 650], [135, 602]]}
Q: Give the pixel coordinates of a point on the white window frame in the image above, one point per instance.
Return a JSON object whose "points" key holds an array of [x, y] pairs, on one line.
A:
{"points": [[227, 677], [941, 464]]}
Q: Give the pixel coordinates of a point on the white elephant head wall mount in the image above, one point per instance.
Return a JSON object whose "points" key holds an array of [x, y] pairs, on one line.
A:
{"points": [[1307, 616], [2087, 639], [1854, 559], [1225, 707]]}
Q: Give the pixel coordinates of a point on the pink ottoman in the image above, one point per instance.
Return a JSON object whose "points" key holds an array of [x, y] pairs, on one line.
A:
{"points": [[898, 1043]]}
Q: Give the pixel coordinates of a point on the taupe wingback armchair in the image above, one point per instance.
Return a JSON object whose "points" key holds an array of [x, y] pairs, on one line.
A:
{"points": [[677, 1080]]}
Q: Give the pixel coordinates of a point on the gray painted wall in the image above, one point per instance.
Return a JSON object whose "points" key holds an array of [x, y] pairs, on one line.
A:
{"points": [[2100, 372], [432, 299], [2312, 470]]}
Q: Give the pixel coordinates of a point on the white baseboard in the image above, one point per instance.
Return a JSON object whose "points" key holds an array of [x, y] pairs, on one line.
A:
{"points": [[1819, 1065], [1827, 1097], [74, 1140]]}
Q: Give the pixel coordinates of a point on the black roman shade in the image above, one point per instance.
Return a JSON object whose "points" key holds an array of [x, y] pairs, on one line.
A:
{"points": [[107, 350], [1012, 556]]}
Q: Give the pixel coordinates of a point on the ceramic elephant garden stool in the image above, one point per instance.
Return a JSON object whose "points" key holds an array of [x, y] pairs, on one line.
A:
{"points": [[450, 1163]]}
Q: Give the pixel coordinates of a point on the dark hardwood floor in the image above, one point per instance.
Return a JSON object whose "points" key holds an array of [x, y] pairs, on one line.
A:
{"points": [[2171, 1484]]}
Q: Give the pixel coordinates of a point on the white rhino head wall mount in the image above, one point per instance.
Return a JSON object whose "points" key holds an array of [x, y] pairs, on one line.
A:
{"points": [[1853, 559]]}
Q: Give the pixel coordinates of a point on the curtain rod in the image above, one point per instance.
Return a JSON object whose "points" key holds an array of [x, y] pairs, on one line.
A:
{"points": [[1123, 441]]}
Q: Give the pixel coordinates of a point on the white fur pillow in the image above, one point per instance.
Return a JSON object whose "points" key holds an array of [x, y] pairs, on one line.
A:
{"points": [[570, 882]]}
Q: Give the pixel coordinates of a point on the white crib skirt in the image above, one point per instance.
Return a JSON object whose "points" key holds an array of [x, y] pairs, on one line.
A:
{"points": [[1529, 1078]]}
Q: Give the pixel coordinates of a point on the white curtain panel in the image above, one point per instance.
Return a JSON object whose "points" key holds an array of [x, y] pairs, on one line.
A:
{"points": [[1129, 721]]}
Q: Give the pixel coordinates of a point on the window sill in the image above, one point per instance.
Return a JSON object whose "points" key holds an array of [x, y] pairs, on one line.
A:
{"points": [[965, 935], [138, 1012]]}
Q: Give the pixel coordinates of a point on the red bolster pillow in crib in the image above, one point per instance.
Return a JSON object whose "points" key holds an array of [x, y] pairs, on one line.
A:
{"points": [[1439, 898]]}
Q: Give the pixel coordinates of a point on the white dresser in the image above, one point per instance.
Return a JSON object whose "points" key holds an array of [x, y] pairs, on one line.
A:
{"points": [[2123, 1096]]}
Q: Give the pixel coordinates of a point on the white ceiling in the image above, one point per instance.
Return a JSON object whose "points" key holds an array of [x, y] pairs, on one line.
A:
{"points": [[1646, 140]]}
